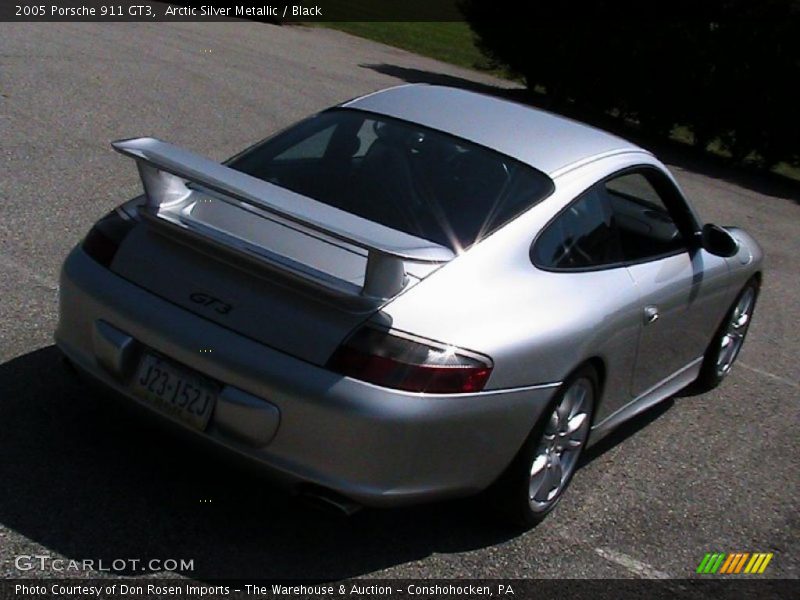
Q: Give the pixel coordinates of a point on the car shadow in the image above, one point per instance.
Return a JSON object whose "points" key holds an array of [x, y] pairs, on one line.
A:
{"points": [[88, 481], [624, 431], [669, 151], [414, 75]]}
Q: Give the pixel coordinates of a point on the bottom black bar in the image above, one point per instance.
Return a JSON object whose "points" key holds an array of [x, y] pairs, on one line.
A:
{"points": [[617, 589]]}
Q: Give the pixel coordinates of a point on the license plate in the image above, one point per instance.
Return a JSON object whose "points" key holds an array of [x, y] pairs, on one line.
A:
{"points": [[175, 391]]}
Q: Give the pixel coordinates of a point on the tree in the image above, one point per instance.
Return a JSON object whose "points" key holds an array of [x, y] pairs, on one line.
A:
{"points": [[730, 74]]}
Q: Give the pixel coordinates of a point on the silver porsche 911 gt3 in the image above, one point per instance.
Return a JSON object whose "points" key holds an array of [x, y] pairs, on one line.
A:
{"points": [[421, 293]]}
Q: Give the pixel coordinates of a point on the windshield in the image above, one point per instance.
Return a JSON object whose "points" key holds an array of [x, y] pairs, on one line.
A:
{"points": [[401, 175]]}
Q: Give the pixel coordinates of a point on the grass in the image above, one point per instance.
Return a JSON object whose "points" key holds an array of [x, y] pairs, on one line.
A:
{"points": [[450, 42]]}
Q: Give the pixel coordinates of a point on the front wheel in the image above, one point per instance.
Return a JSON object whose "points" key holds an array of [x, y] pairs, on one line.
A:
{"points": [[544, 466], [729, 339]]}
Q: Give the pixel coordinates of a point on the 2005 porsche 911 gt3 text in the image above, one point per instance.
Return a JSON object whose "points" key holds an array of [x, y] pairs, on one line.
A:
{"points": [[421, 293]]}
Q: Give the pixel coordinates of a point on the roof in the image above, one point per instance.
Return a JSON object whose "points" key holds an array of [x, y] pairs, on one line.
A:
{"points": [[538, 138]]}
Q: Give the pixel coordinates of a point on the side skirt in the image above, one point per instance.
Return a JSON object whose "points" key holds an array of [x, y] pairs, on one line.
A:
{"points": [[659, 392]]}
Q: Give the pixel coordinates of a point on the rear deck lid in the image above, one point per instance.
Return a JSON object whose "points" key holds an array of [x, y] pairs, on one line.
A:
{"points": [[261, 260]]}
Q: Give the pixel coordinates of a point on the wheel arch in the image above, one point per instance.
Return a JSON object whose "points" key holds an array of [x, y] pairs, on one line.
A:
{"points": [[599, 366]]}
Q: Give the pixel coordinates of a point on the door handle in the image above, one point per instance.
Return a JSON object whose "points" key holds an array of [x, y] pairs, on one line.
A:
{"points": [[650, 314]]}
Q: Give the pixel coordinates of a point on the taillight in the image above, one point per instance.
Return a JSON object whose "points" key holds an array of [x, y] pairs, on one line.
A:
{"points": [[404, 362], [103, 240]]}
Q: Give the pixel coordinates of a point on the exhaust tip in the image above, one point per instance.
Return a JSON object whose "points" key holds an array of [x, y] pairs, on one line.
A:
{"points": [[328, 501]]}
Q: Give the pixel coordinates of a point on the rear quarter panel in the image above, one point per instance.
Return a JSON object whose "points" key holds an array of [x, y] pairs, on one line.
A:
{"points": [[536, 325]]}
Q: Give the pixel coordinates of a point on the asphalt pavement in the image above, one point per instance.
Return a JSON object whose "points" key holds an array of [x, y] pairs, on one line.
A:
{"points": [[81, 480]]}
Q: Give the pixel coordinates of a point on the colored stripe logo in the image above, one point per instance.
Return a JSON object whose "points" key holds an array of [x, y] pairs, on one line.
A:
{"points": [[734, 563]]}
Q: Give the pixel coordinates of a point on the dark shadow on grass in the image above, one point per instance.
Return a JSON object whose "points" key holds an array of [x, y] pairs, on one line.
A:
{"points": [[412, 75], [87, 479], [669, 151]]}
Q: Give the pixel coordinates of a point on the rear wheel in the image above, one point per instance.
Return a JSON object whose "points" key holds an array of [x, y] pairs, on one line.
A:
{"points": [[727, 343], [537, 478]]}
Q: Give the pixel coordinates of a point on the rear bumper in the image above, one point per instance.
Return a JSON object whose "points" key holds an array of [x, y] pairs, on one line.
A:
{"points": [[303, 423]]}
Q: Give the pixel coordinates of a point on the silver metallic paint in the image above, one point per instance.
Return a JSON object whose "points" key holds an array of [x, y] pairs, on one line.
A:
{"points": [[505, 126], [383, 446], [379, 447]]}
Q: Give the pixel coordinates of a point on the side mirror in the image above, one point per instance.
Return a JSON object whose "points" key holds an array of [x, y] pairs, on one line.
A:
{"points": [[719, 241]]}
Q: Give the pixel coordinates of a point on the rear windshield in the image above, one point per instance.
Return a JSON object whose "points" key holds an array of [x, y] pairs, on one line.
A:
{"points": [[402, 175]]}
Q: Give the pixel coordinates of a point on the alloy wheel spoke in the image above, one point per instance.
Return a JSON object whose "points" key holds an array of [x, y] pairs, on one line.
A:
{"points": [[562, 410], [735, 337], [538, 474], [741, 314], [725, 356], [576, 431], [556, 457], [575, 423], [578, 400], [552, 480], [732, 341]]}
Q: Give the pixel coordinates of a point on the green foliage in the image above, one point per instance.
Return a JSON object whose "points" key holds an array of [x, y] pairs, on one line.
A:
{"points": [[733, 79], [447, 41]]}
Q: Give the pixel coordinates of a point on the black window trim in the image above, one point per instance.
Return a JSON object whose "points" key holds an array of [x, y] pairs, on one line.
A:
{"points": [[689, 240]]}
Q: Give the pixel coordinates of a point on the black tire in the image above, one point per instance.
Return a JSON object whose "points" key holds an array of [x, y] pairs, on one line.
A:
{"points": [[511, 493], [711, 374]]}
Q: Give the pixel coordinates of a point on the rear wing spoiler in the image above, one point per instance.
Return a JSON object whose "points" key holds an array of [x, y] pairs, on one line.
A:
{"points": [[170, 176]]}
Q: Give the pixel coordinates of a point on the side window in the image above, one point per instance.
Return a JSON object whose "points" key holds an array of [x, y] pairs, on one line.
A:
{"points": [[583, 236], [646, 228]]}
